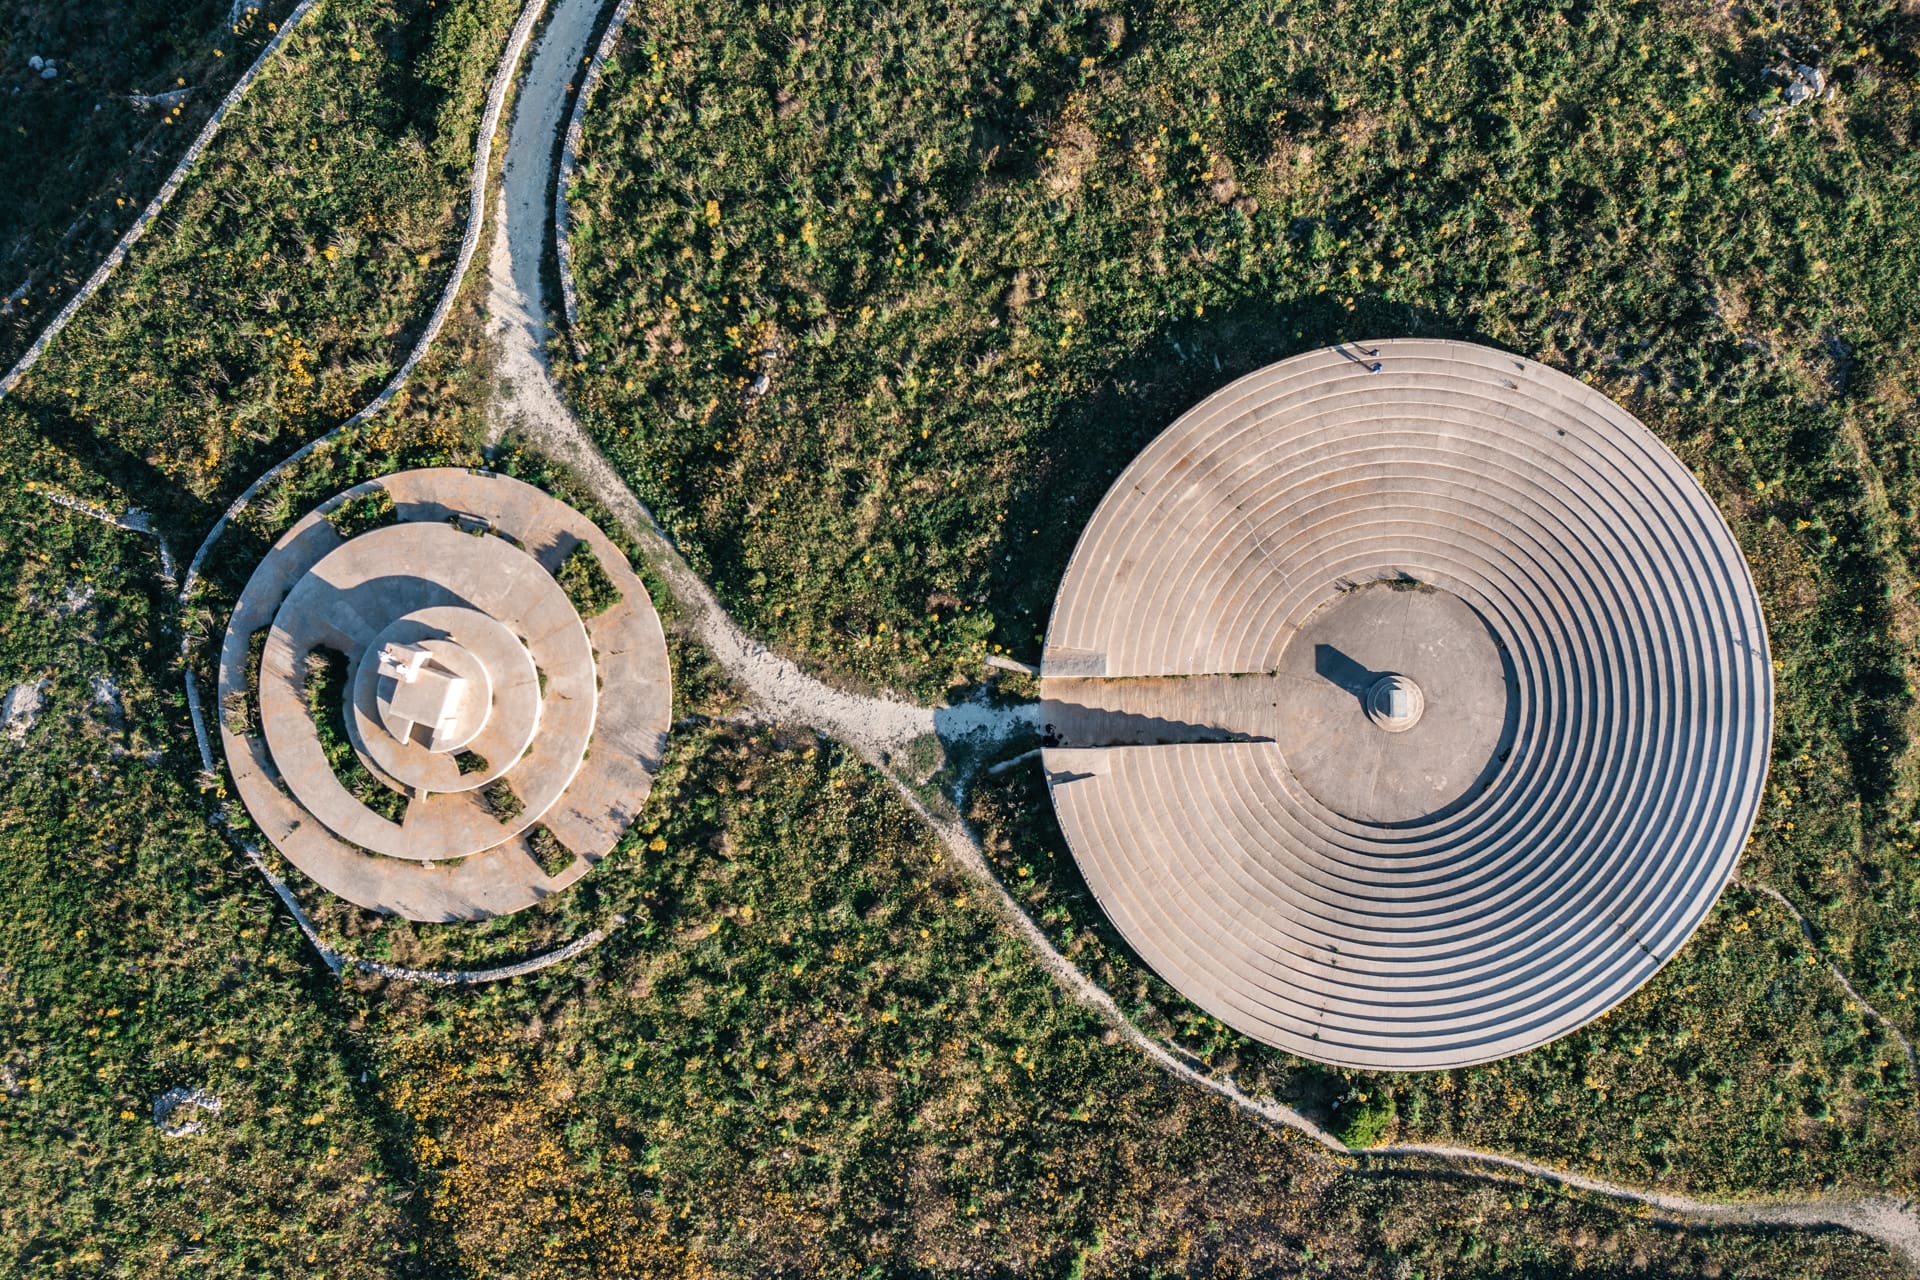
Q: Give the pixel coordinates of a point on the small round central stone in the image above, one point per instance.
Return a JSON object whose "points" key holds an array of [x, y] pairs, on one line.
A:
{"points": [[1395, 703]]}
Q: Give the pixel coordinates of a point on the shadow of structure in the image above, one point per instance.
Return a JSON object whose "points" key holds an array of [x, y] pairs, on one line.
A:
{"points": [[1070, 724], [1069, 462], [1344, 671]]}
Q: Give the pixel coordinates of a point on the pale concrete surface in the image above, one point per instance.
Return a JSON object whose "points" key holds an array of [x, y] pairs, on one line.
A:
{"points": [[508, 721], [351, 597], [631, 733], [1467, 715], [1577, 789], [1315, 704], [599, 728]]}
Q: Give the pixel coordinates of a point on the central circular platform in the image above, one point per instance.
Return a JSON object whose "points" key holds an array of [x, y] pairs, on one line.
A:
{"points": [[502, 702], [1395, 703], [1347, 748], [1407, 704]]}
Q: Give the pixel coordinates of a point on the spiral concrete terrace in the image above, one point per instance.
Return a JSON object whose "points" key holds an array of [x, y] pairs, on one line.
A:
{"points": [[468, 669], [1408, 704]]}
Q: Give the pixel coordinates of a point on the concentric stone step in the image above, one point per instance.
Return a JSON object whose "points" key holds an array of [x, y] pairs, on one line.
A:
{"points": [[1409, 704], [571, 717]]}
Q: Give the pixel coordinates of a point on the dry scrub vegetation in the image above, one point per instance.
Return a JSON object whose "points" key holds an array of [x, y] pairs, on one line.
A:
{"points": [[813, 1049], [84, 151], [876, 307], [289, 277]]}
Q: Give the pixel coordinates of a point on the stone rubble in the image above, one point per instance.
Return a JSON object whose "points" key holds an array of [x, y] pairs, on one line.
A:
{"points": [[1801, 84], [21, 708], [175, 1101]]}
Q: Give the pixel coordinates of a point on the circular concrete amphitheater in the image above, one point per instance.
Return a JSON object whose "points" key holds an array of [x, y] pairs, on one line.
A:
{"points": [[1408, 704], [489, 743]]}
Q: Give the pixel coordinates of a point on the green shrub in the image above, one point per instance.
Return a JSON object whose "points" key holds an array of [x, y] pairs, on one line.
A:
{"points": [[241, 708], [500, 798], [586, 583], [1365, 1118], [363, 514], [552, 856]]}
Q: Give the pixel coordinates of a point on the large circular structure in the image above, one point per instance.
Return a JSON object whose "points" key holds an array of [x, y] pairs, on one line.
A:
{"points": [[1408, 704], [444, 695]]}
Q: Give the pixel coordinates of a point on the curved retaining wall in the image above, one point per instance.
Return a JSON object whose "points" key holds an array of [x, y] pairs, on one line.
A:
{"points": [[569, 163]]}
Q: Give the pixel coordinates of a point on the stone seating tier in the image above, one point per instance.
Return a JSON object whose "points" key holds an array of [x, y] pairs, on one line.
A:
{"points": [[1408, 704]]}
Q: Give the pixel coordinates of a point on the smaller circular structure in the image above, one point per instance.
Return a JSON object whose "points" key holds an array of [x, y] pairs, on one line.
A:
{"points": [[507, 719], [425, 717], [349, 597], [1395, 703]]}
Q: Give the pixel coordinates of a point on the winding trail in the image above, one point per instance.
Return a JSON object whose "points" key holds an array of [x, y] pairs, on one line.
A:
{"points": [[876, 727], [528, 400], [1839, 974]]}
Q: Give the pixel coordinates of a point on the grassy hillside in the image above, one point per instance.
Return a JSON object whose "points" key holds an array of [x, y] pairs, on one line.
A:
{"points": [[980, 261], [875, 310], [137, 954], [81, 157], [813, 1049], [293, 274]]}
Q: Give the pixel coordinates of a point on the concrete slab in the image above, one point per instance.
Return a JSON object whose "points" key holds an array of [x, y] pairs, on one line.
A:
{"points": [[405, 570], [598, 727], [1595, 704]]}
